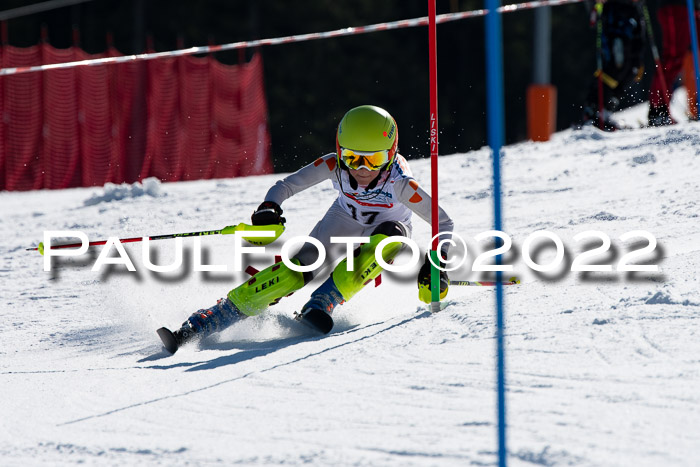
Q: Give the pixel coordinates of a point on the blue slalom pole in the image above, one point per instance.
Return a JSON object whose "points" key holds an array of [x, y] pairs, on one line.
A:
{"points": [[496, 122], [694, 45]]}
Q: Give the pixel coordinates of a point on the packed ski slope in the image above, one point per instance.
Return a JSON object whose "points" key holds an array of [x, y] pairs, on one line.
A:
{"points": [[603, 367]]}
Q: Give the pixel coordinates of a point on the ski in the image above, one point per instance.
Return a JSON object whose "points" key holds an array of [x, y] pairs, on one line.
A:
{"points": [[511, 281], [317, 320], [169, 340]]}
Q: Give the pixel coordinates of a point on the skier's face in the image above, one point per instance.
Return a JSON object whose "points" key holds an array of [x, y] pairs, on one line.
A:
{"points": [[363, 176]]}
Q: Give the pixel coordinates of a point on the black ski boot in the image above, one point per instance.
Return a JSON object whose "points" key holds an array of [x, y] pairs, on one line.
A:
{"points": [[173, 340], [201, 324], [659, 116], [317, 312]]}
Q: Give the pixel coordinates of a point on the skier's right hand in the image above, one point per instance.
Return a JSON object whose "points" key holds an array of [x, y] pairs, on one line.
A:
{"points": [[268, 213]]}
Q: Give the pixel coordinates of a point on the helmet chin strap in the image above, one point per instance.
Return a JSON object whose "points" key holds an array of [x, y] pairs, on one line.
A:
{"points": [[354, 184]]}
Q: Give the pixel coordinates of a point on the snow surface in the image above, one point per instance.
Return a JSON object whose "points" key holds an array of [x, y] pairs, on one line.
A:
{"points": [[636, 116], [603, 368]]}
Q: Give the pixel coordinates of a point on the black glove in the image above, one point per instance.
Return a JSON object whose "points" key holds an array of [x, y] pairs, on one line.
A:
{"points": [[424, 291], [268, 213]]}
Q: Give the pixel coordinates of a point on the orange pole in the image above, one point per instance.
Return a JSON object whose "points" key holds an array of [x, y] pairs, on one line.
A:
{"points": [[541, 111]]}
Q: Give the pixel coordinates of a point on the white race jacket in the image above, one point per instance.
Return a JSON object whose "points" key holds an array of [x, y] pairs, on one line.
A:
{"points": [[393, 198]]}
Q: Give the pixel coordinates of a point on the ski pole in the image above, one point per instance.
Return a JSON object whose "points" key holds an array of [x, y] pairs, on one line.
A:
{"points": [[657, 58], [599, 60], [511, 281], [277, 229]]}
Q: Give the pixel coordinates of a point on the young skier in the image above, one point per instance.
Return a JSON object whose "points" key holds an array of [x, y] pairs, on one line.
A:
{"points": [[377, 195]]}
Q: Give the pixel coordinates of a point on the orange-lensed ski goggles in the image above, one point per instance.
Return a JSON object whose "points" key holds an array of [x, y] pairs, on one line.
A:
{"points": [[369, 160]]}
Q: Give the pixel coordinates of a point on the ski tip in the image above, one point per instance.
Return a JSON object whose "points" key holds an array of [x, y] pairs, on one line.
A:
{"points": [[318, 320], [168, 339]]}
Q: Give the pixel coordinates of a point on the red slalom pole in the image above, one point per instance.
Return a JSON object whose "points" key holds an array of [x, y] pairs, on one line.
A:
{"points": [[434, 273]]}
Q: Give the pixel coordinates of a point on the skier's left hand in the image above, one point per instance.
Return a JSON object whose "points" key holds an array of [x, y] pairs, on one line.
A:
{"points": [[424, 292], [268, 213]]}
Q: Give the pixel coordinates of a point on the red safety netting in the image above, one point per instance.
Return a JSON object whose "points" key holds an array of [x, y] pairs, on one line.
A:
{"points": [[182, 118]]}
